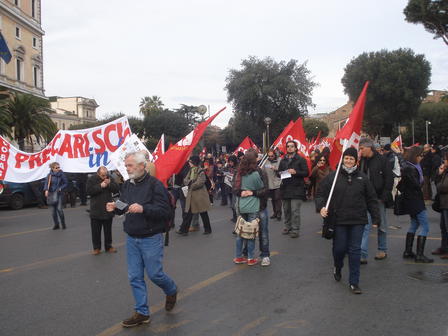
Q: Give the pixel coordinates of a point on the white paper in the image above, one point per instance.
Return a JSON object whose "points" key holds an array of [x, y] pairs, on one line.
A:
{"points": [[285, 174], [185, 190]]}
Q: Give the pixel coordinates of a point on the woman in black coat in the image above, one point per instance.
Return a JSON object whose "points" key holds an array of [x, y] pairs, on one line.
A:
{"points": [[353, 197], [413, 203]]}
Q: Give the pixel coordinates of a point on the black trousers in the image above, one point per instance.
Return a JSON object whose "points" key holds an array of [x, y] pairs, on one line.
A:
{"points": [[275, 195], [97, 225], [187, 222]]}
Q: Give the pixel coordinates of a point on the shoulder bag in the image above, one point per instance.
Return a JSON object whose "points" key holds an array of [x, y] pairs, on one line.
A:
{"points": [[247, 230], [330, 220], [52, 197]]}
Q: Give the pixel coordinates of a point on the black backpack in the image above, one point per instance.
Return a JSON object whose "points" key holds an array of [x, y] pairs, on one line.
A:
{"points": [[169, 223]]}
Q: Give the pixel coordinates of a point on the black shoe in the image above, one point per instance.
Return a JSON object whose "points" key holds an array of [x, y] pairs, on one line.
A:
{"points": [[337, 274], [179, 232], [135, 320], [207, 232], [420, 257], [56, 227], [279, 218], [273, 216], [170, 302], [363, 261], [407, 254], [355, 289]]}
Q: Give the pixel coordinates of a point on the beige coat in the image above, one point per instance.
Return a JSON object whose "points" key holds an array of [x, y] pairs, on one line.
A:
{"points": [[197, 198]]}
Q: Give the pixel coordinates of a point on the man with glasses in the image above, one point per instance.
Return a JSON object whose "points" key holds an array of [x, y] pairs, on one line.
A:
{"points": [[379, 171], [292, 170]]}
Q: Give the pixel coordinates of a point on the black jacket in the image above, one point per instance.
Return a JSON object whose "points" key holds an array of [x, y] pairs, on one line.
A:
{"points": [[294, 187], [150, 193], [411, 188], [426, 164], [100, 196], [353, 196], [379, 171]]}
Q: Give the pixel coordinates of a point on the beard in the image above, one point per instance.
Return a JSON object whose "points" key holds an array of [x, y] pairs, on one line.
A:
{"points": [[136, 174]]}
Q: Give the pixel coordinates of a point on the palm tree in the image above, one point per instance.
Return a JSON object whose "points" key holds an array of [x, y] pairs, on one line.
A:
{"points": [[150, 105], [28, 116]]}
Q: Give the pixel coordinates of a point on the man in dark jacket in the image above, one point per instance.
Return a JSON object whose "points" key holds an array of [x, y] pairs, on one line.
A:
{"points": [[379, 171], [292, 170], [145, 202], [101, 187]]}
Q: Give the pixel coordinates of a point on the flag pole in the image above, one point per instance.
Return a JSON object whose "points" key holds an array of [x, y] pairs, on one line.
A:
{"points": [[344, 147]]}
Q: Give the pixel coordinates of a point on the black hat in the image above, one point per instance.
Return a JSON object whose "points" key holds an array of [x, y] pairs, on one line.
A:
{"points": [[195, 160], [351, 152]]}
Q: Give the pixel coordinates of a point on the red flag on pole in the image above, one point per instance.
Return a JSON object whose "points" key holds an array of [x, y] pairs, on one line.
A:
{"points": [[246, 144], [351, 130], [297, 134], [175, 157], [279, 143], [160, 148], [397, 144], [315, 143]]}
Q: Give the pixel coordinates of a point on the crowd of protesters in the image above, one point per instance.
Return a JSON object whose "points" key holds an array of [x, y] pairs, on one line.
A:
{"points": [[368, 181]]}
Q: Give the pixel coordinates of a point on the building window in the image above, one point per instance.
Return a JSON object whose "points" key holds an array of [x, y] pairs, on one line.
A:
{"points": [[63, 126], [33, 8], [19, 72], [34, 42], [17, 3], [18, 33], [36, 76]]}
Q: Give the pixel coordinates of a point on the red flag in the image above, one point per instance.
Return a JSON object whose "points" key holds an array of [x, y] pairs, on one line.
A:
{"points": [[279, 142], [351, 132], [175, 157], [160, 149], [315, 143], [203, 152], [246, 144], [297, 134]]}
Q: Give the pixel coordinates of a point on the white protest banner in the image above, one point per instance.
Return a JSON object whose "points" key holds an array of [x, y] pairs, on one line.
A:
{"points": [[77, 151], [132, 144]]}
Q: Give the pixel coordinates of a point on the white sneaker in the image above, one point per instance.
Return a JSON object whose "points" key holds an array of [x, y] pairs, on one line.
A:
{"points": [[265, 261]]}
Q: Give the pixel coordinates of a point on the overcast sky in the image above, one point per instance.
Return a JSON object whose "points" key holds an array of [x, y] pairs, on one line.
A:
{"points": [[120, 51]]}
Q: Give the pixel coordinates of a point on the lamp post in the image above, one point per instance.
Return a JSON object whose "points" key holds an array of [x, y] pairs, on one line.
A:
{"points": [[267, 121], [427, 135]]}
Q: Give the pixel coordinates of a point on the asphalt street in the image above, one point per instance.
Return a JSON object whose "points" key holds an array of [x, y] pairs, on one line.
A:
{"points": [[52, 285]]}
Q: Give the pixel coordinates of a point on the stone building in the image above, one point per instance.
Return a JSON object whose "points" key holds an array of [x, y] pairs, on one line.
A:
{"points": [[72, 111], [20, 27]]}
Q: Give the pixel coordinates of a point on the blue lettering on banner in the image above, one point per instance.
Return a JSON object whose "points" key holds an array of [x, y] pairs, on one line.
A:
{"points": [[104, 155]]}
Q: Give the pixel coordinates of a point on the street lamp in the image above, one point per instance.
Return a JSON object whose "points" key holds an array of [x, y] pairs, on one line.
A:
{"points": [[267, 121], [427, 137]]}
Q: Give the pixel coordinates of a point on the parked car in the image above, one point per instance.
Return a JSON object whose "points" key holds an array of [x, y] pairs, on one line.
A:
{"points": [[16, 195]]}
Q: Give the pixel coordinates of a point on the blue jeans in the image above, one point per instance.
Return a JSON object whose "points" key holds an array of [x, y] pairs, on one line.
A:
{"points": [[57, 212], [347, 240], [382, 232], [250, 243], [264, 233], [419, 220], [146, 253]]}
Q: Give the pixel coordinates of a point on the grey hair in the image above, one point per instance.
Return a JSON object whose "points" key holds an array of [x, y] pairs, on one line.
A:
{"points": [[138, 156]]}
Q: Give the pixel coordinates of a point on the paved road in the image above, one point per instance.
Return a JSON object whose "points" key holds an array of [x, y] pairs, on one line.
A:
{"points": [[51, 285]]}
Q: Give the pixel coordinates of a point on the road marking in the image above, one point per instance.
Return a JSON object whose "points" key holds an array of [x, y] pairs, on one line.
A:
{"points": [[47, 262], [33, 213], [163, 328], [429, 264], [394, 236], [115, 329], [23, 232], [249, 326]]}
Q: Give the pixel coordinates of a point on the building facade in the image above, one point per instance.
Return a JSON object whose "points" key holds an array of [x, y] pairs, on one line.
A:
{"points": [[70, 111], [20, 26]]}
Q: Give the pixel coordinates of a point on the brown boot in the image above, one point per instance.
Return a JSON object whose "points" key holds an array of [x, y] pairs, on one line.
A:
{"points": [[111, 250], [96, 251], [135, 320]]}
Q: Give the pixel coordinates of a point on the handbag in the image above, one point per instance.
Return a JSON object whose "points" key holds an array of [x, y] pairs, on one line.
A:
{"points": [[52, 197], [436, 204], [247, 230], [399, 206]]}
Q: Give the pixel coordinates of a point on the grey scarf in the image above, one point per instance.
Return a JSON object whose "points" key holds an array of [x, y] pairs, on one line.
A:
{"points": [[349, 170]]}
